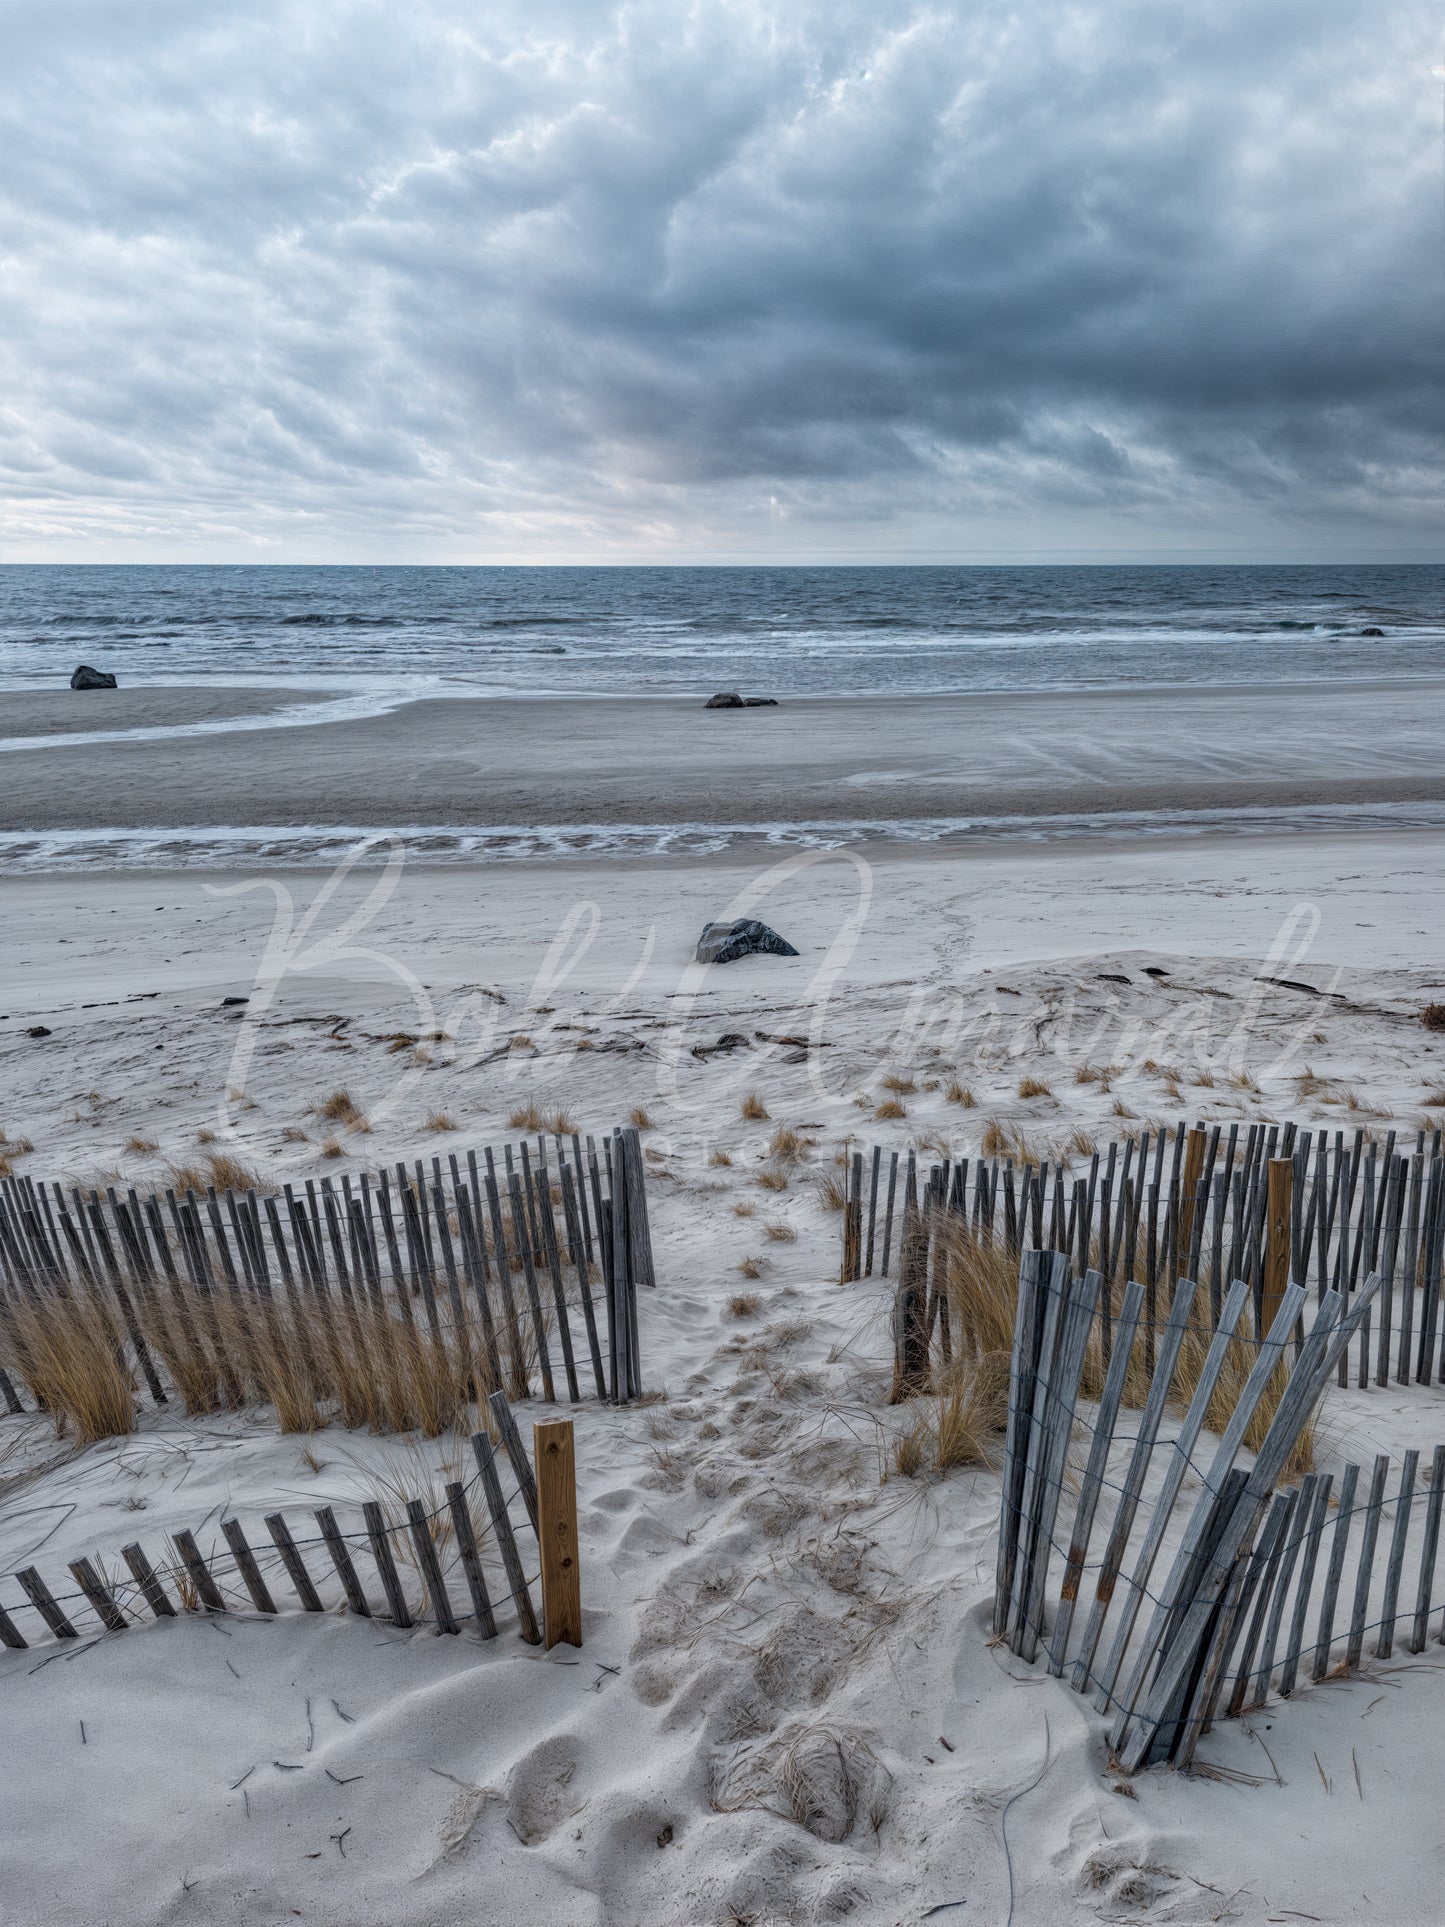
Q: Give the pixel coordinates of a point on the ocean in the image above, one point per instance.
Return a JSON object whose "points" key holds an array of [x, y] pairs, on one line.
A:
{"points": [[377, 638], [385, 635]]}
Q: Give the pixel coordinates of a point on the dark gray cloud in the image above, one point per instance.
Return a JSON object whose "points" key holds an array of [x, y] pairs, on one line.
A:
{"points": [[343, 281]]}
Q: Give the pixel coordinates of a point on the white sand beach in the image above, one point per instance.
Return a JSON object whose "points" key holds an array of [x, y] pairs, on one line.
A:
{"points": [[757, 1575]]}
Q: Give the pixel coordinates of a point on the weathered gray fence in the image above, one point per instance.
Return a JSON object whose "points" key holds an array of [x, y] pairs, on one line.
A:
{"points": [[1265, 1203], [440, 1566], [522, 1239], [1187, 1614]]}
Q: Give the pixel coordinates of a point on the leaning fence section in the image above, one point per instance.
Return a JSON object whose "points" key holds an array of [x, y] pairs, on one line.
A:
{"points": [[478, 1561], [1174, 1578], [517, 1269], [1265, 1203]]}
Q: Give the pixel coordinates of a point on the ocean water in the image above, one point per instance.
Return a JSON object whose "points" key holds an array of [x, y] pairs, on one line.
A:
{"points": [[392, 633], [377, 638]]}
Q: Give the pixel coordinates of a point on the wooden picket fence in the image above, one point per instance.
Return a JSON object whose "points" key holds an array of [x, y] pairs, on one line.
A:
{"points": [[1264, 1589], [244, 1574], [1265, 1203], [547, 1217]]}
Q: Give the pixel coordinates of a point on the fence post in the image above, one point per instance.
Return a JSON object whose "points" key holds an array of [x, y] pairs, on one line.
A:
{"points": [[1278, 1208], [554, 1452]]}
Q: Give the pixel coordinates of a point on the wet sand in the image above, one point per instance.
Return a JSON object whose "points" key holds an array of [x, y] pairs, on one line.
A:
{"points": [[519, 761]]}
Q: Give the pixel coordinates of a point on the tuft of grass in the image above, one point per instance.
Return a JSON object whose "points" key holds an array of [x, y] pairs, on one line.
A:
{"points": [[638, 1117], [1433, 1016], [961, 1095], [227, 1173], [333, 1148], [904, 1085], [1033, 1087], [1120, 1109], [773, 1180], [780, 1233], [832, 1191], [70, 1352], [961, 1424], [1203, 1080], [743, 1304], [141, 1146], [742, 1209], [293, 1134], [440, 1121], [889, 1109], [525, 1118], [1434, 1100], [339, 1108], [560, 1124], [720, 1160], [205, 1135], [786, 1146], [753, 1108], [1082, 1144], [980, 1286], [1006, 1141], [751, 1267]]}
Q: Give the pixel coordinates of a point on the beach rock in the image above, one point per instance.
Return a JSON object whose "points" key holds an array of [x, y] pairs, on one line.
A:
{"points": [[730, 1041], [38, 1030], [87, 678], [1372, 632], [730, 699], [760, 702], [726, 942]]}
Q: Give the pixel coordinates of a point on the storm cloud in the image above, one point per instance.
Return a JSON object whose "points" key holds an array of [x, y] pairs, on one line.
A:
{"points": [[330, 281]]}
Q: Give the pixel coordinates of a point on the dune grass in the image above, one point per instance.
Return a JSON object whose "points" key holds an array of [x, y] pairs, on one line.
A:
{"points": [[961, 1423]]}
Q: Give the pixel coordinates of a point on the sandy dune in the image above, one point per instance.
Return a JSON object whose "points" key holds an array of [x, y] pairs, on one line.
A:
{"points": [[767, 1590]]}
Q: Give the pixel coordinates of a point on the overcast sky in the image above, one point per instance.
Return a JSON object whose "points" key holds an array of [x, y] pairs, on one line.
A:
{"points": [[563, 282]]}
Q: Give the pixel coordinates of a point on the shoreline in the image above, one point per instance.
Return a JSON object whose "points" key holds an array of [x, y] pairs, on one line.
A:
{"points": [[576, 763], [316, 849]]}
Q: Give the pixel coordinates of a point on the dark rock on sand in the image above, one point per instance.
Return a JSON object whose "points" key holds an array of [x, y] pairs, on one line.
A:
{"points": [[1372, 632], [87, 678], [38, 1030], [726, 942], [234, 1000], [730, 699], [730, 1041]]}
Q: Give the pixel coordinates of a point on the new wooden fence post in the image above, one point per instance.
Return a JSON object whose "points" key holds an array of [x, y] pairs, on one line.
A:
{"points": [[553, 1450], [1278, 1207]]}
